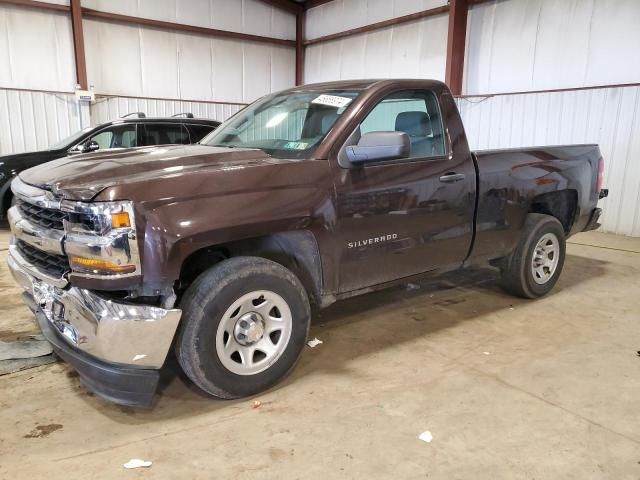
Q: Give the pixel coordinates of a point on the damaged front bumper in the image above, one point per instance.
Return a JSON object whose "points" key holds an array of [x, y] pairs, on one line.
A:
{"points": [[117, 348]]}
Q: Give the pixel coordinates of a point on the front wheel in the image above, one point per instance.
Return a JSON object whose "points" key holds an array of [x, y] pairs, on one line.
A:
{"points": [[244, 324], [533, 268]]}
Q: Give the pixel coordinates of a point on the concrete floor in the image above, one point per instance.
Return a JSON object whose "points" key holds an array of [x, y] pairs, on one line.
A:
{"points": [[509, 389]]}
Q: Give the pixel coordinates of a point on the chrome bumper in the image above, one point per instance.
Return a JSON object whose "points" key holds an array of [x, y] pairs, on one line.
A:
{"points": [[127, 334]]}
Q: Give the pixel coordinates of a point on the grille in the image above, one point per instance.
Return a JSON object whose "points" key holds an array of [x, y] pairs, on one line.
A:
{"points": [[54, 265], [44, 217]]}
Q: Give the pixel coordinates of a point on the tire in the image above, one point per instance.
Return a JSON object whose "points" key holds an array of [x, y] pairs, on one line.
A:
{"points": [[212, 327], [530, 271]]}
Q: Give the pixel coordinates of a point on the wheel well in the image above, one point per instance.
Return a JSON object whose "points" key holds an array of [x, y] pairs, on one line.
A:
{"points": [[297, 251], [561, 205], [6, 202]]}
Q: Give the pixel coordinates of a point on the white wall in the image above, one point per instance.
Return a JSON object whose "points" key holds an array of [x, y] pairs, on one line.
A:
{"points": [[36, 49], [520, 45], [341, 15], [145, 62], [36, 53], [245, 16], [411, 50], [148, 62]]}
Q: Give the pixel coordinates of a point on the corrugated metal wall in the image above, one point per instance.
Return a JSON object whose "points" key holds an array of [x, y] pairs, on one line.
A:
{"points": [[35, 120], [609, 117], [110, 108]]}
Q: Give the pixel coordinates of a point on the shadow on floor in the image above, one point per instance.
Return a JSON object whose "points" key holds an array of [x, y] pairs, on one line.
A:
{"points": [[399, 315]]}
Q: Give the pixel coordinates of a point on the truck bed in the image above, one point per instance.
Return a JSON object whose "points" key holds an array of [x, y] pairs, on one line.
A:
{"points": [[513, 181]]}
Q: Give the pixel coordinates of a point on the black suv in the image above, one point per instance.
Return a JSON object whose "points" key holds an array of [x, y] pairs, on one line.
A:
{"points": [[132, 130]]}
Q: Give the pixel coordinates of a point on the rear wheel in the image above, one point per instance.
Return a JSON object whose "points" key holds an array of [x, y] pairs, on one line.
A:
{"points": [[533, 268], [244, 325]]}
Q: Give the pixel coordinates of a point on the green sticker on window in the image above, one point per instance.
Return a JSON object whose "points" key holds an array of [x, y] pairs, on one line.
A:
{"points": [[296, 145]]}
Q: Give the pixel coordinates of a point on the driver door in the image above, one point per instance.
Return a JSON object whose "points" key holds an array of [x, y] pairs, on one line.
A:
{"points": [[401, 217]]}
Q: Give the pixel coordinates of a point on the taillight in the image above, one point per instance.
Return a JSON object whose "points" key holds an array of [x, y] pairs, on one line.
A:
{"points": [[600, 174]]}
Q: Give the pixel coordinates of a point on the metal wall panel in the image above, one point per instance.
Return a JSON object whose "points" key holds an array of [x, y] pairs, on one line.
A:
{"points": [[609, 117], [111, 108], [342, 15], [246, 16], [411, 50], [35, 120], [142, 62], [36, 49], [519, 45]]}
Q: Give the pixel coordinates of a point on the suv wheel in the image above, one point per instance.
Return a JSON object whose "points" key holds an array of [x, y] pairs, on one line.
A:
{"points": [[533, 268], [244, 324]]}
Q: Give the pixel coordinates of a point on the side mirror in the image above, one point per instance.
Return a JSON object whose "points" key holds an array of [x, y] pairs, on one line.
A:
{"points": [[379, 146], [90, 146]]}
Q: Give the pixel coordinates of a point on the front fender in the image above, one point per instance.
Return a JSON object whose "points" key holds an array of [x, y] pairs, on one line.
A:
{"points": [[174, 231]]}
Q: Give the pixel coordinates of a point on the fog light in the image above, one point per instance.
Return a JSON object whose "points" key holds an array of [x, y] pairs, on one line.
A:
{"points": [[102, 266], [120, 220]]}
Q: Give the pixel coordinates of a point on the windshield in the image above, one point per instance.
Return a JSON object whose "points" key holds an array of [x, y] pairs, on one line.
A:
{"points": [[71, 139], [288, 125]]}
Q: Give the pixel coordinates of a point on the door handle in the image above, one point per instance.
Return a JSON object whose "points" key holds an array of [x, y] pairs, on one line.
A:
{"points": [[452, 177]]}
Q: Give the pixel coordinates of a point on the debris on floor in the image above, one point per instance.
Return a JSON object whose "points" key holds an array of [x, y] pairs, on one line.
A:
{"points": [[257, 403], [486, 353], [314, 343], [43, 430], [426, 436], [412, 286], [25, 353], [137, 463]]}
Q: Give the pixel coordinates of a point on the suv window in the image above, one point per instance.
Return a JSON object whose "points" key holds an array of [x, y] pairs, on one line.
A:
{"points": [[414, 112], [117, 136], [163, 134], [198, 132]]}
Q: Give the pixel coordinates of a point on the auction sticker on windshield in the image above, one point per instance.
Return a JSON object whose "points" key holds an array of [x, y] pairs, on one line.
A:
{"points": [[332, 100]]}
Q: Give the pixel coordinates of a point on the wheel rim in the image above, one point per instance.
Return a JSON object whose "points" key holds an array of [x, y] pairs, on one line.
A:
{"points": [[253, 332], [545, 258]]}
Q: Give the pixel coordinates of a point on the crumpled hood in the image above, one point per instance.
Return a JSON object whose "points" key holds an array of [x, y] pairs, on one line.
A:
{"points": [[82, 177]]}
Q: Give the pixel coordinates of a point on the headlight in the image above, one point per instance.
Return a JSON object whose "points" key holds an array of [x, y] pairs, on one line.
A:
{"points": [[100, 239]]}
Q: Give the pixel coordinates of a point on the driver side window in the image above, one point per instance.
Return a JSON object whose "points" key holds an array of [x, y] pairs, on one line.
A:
{"points": [[414, 112]]}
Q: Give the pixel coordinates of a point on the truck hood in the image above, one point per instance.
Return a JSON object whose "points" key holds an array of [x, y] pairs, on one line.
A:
{"points": [[82, 177]]}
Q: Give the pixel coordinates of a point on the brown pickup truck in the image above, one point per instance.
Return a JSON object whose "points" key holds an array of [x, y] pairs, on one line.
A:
{"points": [[303, 198]]}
